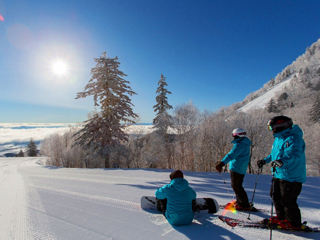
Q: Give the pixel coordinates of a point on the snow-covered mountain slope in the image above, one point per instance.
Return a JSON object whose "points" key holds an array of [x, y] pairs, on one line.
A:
{"points": [[263, 100], [303, 74]]}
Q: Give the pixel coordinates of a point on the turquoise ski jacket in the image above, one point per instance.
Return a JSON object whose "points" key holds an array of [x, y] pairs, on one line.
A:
{"points": [[179, 197], [239, 155], [289, 147]]}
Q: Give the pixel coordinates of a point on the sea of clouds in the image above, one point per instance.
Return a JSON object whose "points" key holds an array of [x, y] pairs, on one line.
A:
{"points": [[16, 136]]}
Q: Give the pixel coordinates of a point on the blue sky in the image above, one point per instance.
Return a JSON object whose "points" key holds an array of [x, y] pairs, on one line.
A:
{"points": [[213, 53]]}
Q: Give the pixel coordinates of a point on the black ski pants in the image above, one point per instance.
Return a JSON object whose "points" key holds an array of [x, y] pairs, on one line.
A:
{"points": [[236, 184], [284, 195], [162, 205]]}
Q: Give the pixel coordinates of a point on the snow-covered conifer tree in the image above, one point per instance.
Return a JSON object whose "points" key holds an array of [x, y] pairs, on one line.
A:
{"points": [[315, 110], [163, 119], [112, 94], [162, 105], [32, 149], [272, 106]]}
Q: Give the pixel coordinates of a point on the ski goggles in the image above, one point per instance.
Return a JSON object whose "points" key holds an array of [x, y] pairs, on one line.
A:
{"points": [[238, 134], [270, 128]]}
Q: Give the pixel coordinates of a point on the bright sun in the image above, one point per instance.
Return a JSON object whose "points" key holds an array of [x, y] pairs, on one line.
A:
{"points": [[60, 68]]}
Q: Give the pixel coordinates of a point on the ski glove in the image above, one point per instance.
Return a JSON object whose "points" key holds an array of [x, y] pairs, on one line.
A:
{"points": [[219, 166], [260, 163], [277, 163]]}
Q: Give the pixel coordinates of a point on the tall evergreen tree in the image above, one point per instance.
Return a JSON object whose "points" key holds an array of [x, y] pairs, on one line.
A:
{"points": [[111, 93], [315, 110], [272, 106], [162, 101], [163, 119], [32, 149]]}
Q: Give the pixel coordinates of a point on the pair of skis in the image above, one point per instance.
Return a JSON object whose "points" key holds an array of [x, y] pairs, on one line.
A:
{"points": [[232, 222], [264, 224]]}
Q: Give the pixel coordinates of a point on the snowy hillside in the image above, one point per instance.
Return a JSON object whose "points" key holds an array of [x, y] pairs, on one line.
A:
{"points": [[263, 100], [299, 79], [41, 202]]}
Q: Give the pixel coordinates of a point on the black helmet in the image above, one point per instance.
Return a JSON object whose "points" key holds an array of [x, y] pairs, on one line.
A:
{"points": [[279, 123]]}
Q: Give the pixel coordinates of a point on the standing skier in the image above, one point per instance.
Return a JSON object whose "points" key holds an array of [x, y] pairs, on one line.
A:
{"points": [[175, 200], [288, 163], [239, 160]]}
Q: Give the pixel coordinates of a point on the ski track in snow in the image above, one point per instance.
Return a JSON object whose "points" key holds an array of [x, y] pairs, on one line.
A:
{"points": [[39, 202], [13, 213]]}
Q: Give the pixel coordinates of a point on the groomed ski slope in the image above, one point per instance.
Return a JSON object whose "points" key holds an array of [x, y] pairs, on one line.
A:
{"points": [[41, 202], [263, 100]]}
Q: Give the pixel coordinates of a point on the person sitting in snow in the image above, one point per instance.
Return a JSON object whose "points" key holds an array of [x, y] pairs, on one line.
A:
{"points": [[175, 200], [239, 160], [288, 163]]}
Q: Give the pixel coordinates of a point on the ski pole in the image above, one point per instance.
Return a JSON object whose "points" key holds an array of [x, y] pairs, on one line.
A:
{"points": [[226, 186], [254, 190], [272, 192], [271, 207]]}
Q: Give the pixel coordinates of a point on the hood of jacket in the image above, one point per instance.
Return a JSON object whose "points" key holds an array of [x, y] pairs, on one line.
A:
{"points": [[294, 130], [179, 183], [243, 140]]}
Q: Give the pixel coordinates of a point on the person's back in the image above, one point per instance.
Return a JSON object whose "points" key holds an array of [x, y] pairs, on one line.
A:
{"points": [[289, 146], [179, 197], [239, 155]]}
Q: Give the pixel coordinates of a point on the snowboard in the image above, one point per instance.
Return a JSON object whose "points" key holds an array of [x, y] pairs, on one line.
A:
{"points": [[206, 205], [232, 222]]}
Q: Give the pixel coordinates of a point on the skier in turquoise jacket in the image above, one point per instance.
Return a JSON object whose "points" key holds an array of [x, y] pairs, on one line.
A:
{"points": [[289, 147], [238, 159], [175, 200], [288, 163]]}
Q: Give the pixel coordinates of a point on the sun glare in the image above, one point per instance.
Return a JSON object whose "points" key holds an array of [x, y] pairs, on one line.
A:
{"points": [[60, 68]]}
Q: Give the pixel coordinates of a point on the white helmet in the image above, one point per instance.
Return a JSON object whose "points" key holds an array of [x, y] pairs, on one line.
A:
{"points": [[240, 132]]}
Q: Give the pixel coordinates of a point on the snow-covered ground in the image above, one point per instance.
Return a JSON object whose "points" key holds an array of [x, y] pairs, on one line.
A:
{"points": [[41, 202], [263, 100]]}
